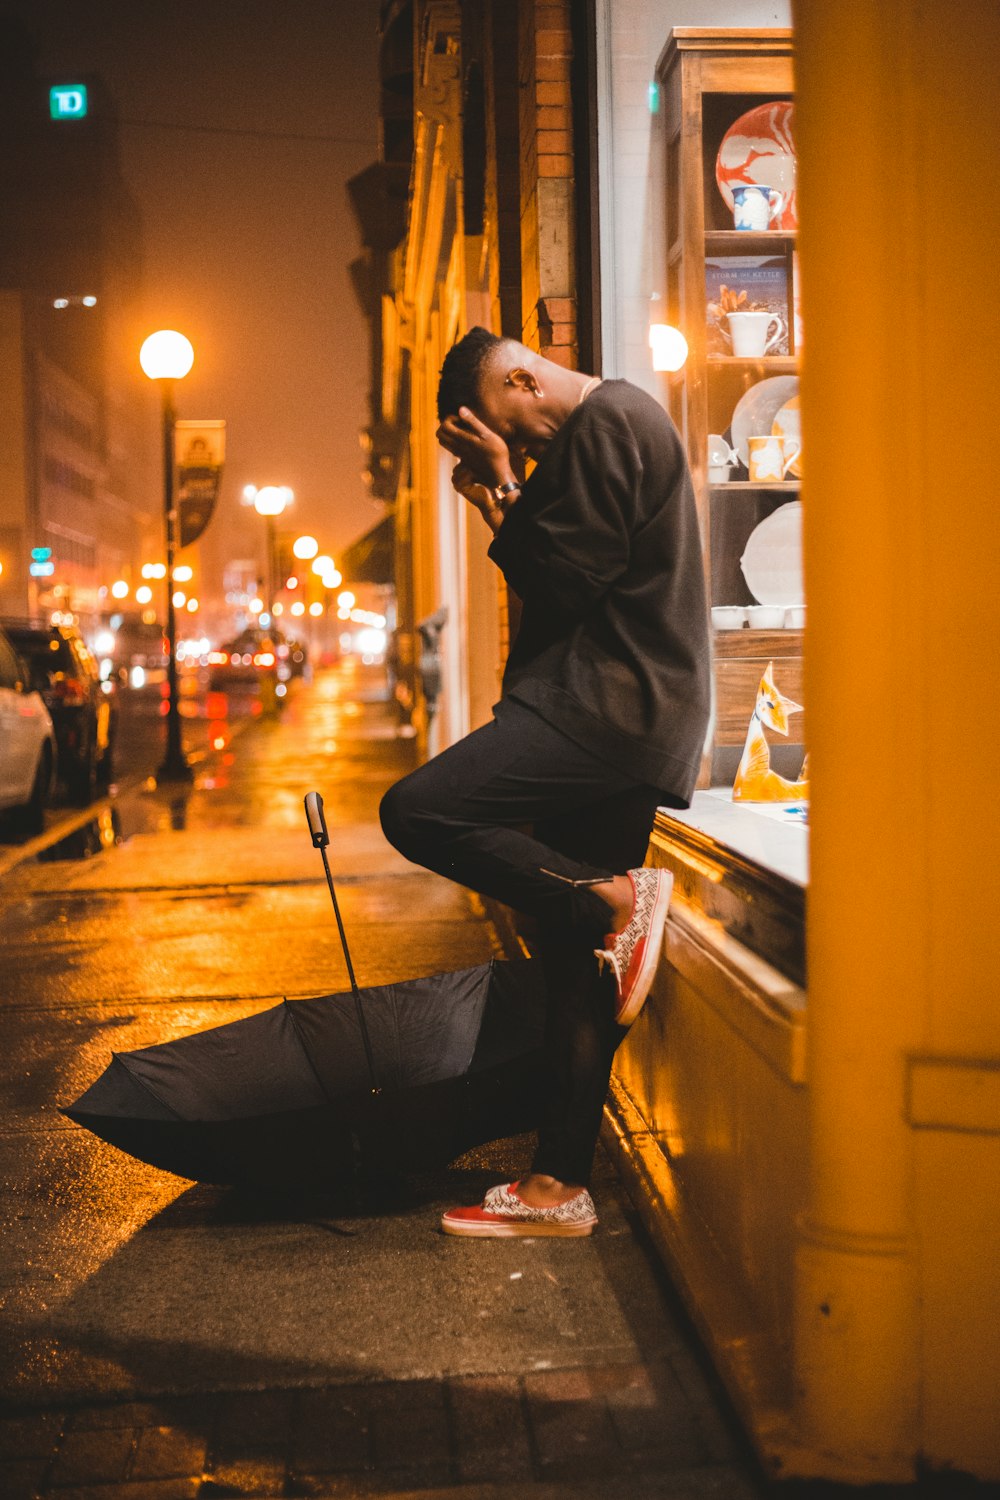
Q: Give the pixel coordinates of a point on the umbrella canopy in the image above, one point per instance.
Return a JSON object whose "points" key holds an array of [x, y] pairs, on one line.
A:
{"points": [[285, 1096]]}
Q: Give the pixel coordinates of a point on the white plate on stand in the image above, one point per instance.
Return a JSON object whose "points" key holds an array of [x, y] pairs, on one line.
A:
{"points": [[757, 408], [772, 559]]}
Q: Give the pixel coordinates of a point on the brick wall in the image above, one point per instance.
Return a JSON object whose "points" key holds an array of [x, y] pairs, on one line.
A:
{"points": [[548, 285]]}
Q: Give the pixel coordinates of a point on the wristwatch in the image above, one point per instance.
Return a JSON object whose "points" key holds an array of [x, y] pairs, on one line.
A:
{"points": [[502, 490]]}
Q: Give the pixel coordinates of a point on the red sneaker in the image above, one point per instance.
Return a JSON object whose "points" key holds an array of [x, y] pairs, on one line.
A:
{"points": [[503, 1214], [634, 953]]}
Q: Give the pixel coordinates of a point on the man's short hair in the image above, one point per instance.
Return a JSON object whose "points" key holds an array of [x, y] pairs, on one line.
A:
{"points": [[462, 371]]}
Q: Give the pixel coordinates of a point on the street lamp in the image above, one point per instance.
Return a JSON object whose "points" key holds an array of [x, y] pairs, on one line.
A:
{"points": [[269, 502], [167, 356]]}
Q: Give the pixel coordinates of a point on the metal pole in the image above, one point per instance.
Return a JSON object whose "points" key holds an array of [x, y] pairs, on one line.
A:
{"points": [[175, 766], [271, 566]]}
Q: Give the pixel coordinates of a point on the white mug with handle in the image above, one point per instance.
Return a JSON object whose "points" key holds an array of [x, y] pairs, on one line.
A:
{"points": [[750, 332]]}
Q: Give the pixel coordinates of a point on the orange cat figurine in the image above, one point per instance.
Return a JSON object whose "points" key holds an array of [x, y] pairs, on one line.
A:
{"points": [[755, 781]]}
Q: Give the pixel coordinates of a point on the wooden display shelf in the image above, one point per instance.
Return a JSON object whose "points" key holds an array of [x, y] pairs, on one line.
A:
{"points": [[743, 485], [779, 364], [746, 642], [740, 659], [766, 242]]}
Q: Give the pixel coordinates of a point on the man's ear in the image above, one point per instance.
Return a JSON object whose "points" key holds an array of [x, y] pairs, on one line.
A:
{"points": [[523, 379]]}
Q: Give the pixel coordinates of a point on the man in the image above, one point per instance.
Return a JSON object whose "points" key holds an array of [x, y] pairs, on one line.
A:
{"points": [[602, 719]]}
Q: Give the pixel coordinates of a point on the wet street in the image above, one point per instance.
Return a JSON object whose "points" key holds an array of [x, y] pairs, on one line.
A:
{"points": [[165, 1339]]}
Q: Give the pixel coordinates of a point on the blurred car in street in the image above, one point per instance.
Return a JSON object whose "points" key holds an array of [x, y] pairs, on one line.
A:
{"points": [[84, 710], [240, 662], [27, 743], [135, 651]]}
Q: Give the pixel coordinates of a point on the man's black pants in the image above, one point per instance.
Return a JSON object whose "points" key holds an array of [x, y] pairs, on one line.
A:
{"points": [[519, 812]]}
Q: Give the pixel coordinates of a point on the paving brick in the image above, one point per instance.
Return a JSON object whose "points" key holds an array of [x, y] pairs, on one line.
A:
{"points": [[409, 1424], [154, 1489], [33, 1436], [94, 1456], [331, 1432], [555, 166], [124, 1414], [490, 1433], [168, 1452], [260, 1419], [651, 1414], [573, 1432], [249, 1476], [21, 1479], [194, 1413]]}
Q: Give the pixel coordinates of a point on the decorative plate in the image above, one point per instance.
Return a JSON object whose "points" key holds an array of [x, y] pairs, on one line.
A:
{"points": [[788, 424], [757, 408], [760, 147], [772, 560]]}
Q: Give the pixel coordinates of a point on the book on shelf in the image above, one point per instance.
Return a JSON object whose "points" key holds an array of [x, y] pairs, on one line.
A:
{"points": [[764, 280]]}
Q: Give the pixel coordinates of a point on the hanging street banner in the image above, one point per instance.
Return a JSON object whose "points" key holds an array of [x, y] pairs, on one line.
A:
{"points": [[199, 453]]}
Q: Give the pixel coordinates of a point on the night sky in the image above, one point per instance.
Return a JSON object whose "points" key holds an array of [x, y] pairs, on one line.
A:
{"points": [[248, 234]]}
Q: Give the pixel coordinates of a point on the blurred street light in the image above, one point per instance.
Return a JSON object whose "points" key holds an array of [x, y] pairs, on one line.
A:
{"points": [[305, 547], [270, 501], [167, 356]]}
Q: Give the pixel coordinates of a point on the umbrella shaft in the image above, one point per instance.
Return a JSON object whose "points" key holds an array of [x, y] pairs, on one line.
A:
{"points": [[350, 972]]}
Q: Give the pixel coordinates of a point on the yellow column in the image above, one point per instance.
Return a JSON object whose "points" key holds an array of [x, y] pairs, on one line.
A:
{"points": [[897, 119]]}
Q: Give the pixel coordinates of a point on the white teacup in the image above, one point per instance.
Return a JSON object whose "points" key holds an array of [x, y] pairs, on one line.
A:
{"points": [[750, 334], [721, 459], [755, 205], [772, 456], [728, 616], [766, 616]]}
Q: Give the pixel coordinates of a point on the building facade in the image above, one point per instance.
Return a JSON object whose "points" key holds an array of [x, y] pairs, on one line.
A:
{"points": [[806, 1112], [76, 511]]}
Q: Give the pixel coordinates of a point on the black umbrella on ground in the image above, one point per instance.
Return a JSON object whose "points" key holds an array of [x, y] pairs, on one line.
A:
{"points": [[312, 1091]]}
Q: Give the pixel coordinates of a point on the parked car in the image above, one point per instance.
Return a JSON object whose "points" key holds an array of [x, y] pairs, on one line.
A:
{"points": [[242, 660], [84, 709], [27, 743], [138, 652]]}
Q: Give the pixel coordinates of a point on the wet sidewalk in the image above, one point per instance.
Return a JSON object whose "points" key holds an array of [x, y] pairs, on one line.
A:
{"points": [[166, 1340]]}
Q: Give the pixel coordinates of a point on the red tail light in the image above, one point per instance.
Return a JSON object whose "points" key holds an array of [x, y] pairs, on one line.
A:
{"points": [[70, 691]]}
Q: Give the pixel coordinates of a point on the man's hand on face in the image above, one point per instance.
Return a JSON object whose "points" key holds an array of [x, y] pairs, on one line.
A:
{"points": [[481, 450], [479, 495]]}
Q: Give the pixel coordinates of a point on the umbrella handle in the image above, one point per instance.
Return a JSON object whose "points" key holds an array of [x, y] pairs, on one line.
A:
{"points": [[321, 838], [316, 820]]}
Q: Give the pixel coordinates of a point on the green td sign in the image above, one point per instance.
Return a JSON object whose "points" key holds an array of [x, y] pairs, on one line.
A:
{"points": [[68, 101]]}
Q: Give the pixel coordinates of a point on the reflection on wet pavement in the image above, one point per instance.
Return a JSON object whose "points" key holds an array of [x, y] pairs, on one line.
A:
{"points": [[102, 832]]}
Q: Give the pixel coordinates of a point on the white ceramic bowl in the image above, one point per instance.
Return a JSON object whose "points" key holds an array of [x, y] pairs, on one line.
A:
{"points": [[766, 616], [728, 616], [795, 617]]}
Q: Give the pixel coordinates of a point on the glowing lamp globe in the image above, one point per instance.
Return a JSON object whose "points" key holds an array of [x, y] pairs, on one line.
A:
{"points": [[305, 547], [271, 499], [669, 346], [166, 355]]}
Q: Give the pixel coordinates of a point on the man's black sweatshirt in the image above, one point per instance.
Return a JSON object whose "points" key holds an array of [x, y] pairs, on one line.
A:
{"points": [[603, 549]]}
